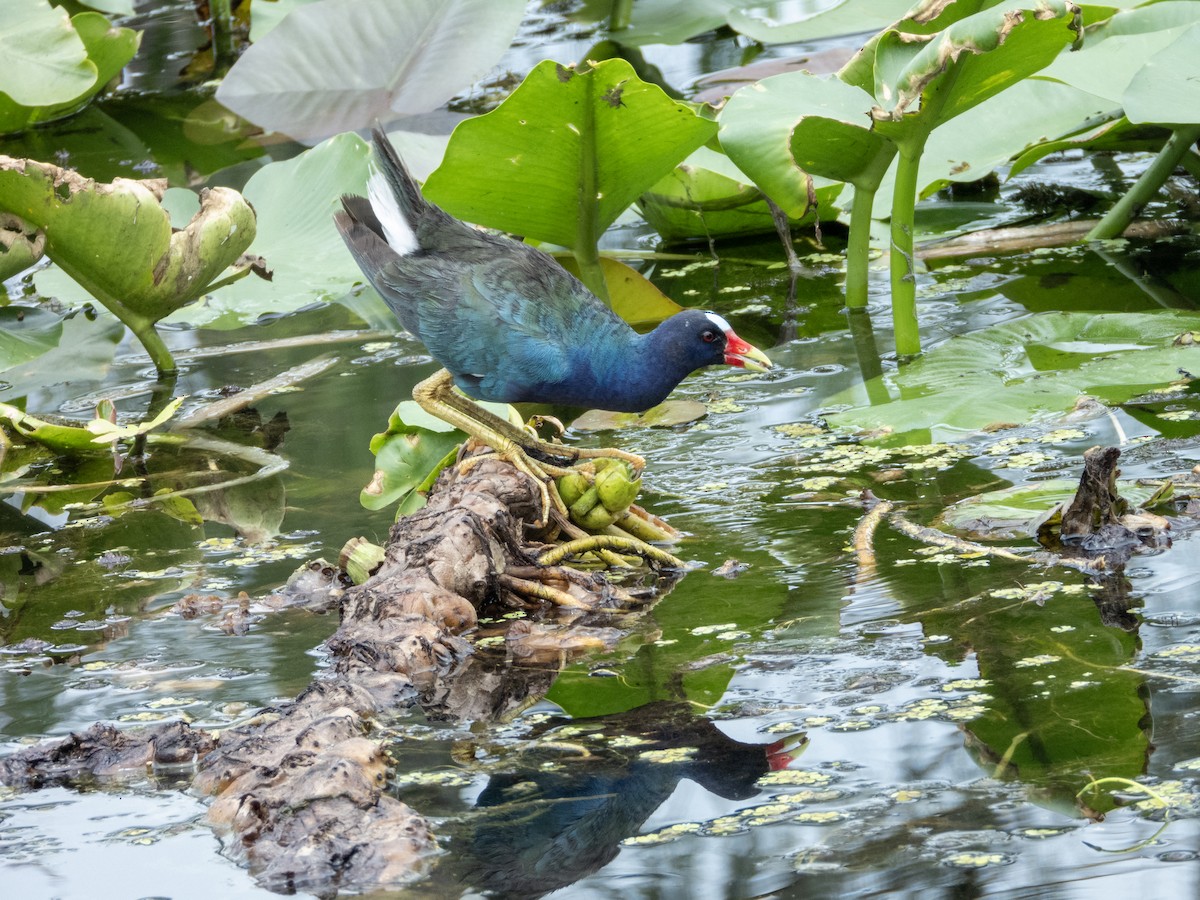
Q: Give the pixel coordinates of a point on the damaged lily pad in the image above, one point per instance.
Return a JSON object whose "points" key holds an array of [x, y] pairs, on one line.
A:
{"points": [[116, 241]]}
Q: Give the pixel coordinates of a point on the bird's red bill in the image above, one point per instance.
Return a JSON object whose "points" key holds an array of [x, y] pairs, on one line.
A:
{"points": [[743, 354]]}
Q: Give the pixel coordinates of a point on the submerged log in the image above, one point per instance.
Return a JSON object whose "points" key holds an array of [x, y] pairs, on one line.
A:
{"points": [[299, 790]]}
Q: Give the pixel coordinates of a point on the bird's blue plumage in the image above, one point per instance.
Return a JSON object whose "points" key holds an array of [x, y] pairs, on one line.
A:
{"points": [[505, 319]]}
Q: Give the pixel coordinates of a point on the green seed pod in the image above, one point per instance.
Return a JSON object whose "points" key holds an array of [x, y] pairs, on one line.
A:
{"points": [[584, 504], [572, 486], [597, 518], [617, 488]]}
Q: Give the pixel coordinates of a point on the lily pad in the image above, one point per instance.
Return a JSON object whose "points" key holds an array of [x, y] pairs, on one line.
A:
{"points": [[407, 456], [708, 197], [1014, 372], [1017, 512], [412, 451], [666, 415], [338, 65]]}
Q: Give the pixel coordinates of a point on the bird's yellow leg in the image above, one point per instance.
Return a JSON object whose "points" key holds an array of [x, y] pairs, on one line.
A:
{"points": [[441, 385], [431, 394]]}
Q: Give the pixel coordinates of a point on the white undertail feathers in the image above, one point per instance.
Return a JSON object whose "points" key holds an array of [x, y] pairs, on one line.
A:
{"points": [[396, 229]]}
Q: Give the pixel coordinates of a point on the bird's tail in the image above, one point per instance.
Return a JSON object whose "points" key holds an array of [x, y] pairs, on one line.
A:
{"points": [[394, 196]]}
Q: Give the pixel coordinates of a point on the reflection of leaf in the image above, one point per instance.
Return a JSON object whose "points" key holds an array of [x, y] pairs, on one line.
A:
{"points": [[26, 334], [337, 65], [83, 354], [1035, 365]]}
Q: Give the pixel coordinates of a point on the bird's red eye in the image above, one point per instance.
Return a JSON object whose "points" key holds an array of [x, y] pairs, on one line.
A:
{"points": [[708, 336]]}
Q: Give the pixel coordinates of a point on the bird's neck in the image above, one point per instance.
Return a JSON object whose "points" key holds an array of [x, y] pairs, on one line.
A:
{"points": [[653, 367]]}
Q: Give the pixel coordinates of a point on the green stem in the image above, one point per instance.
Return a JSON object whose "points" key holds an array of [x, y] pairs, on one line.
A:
{"points": [[1191, 162], [622, 12], [587, 230], [1118, 218], [223, 44], [858, 245], [858, 248], [903, 263], [153, 342]]}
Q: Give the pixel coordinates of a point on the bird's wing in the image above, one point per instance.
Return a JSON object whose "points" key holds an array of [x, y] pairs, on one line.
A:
{"points": [[498, 309]]}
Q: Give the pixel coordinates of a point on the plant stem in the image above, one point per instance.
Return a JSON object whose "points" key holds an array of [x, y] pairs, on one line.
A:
{"points": [[858, 248], [858, 245], [153, 342], [590, 271], [1117, 219], [903, 263], [221, 25], [587, 231], [622, 11]]}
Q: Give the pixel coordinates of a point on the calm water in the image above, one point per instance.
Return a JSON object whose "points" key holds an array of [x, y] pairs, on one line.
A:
{"points": [[940, 720]]}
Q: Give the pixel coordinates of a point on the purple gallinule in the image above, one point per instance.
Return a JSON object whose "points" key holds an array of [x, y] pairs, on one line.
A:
{"points": [[511, 325]]}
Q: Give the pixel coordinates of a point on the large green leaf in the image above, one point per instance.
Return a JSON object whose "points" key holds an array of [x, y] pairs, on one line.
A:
{"points": [[973, 59], [794, 123], [116, 241], [341, 64], [45, 61], [1167, 88], [779, 22], [1032, 367], [708, 197], [970, 146], [21, 245], [295, 201], [566, 153], [410, 454], [1118, 48], [106, 51]]}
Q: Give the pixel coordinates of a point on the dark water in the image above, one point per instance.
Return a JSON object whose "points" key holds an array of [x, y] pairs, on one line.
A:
{"points": [[942, 711]]}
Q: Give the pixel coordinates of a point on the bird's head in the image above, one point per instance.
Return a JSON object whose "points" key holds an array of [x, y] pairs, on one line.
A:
{"points": [[706, 339]]}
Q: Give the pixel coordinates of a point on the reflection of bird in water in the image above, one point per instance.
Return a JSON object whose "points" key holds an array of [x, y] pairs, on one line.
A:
{"points": [[538, 830]]}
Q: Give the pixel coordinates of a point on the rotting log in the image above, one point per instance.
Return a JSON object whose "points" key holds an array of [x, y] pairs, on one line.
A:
{"points": [[299, 790]]}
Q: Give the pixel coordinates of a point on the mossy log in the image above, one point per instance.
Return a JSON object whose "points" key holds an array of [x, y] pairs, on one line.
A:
{"points": [[299, 790]]}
